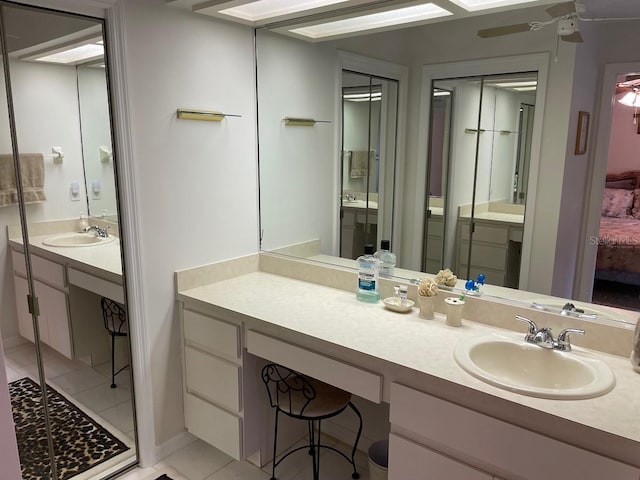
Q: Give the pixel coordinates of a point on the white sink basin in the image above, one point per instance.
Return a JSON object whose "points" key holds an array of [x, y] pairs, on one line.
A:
{"points": [[77, 240], [525, 368]]}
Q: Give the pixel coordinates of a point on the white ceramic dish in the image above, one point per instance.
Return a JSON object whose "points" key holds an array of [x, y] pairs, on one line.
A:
{"points": [[394, 304]]}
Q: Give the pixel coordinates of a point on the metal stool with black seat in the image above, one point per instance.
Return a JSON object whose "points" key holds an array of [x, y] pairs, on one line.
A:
{"points": [[305, 398], [115, 321]]}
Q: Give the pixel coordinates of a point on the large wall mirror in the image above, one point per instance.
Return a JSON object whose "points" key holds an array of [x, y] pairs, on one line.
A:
{"points": [[68, 360], [475, 188]]}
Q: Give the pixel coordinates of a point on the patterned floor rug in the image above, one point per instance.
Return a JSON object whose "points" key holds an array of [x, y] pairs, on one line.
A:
{"points": [[79, 442]]}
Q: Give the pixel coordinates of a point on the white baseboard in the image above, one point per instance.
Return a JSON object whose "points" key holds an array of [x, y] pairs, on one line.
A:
{"points": [[173, 445], [14, 341]]}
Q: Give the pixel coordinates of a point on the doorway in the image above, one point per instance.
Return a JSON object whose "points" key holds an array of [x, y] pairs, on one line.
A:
{"points": [[368, 161], [56, 139], [616, 280]]}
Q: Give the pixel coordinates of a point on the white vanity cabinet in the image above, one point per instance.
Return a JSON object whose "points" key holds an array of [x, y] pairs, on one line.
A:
{"points": [[496, 251], [51, 290], [435, 243], [212, 362], [441, 440]]}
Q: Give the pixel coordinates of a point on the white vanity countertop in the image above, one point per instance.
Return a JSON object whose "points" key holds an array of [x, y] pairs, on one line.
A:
{"points": [[103, 260], [498, 217], [360, 204], [424, 346]]}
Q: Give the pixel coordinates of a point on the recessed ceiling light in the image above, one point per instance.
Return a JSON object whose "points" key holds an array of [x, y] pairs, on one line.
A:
{"points": [[525, 89], [74, 54], [475, 5], [441, 93], [370, 21], [531, 83], [262, 9]]}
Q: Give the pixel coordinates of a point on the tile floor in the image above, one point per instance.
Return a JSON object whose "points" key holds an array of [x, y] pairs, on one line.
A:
{"points": [[199, 461], [90, 387]]}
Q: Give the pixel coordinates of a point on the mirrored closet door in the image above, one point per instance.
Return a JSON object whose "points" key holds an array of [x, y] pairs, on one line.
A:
{"points": [[65, 319]]}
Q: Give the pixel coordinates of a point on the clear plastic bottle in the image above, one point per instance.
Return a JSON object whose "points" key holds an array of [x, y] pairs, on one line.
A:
{"points": [[368, 276], [386, 258]]}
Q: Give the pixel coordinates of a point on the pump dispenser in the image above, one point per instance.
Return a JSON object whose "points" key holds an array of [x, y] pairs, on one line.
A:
{"points": [[82, 223]]}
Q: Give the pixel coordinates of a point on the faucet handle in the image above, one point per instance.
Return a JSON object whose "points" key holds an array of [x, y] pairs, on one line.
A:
{"points": [[563, 338], [533, 328]]}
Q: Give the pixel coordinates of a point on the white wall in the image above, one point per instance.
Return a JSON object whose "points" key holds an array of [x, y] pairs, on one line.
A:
{"points": [[298, 79], [196, 182], [96, 132], [46, 108], [576, 167]]}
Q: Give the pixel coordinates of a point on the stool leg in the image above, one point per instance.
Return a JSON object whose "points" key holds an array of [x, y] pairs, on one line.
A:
{"points": [[355, 474], [311, 446], [113, 361], [317, 455], [275, 443]]}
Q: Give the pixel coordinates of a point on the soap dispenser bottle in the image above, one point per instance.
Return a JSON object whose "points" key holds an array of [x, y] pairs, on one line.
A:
{"points": [[82, 223], [368, 276]]}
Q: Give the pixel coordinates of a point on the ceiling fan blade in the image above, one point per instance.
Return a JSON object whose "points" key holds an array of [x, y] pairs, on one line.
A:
{"points": [[505, 30], [561, 9], [575, 37]]}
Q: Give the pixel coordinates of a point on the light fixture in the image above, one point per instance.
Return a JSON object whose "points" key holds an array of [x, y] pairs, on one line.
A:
{"points": [[382, 19], [631, 99], [531, 83], [363, 97], [525, 89], [475, 5], [441, 93], [263, 9], [207, 115]]}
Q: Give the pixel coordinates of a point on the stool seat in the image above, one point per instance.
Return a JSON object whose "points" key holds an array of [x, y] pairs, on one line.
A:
{"points": [[328, 400], [305, 398]]}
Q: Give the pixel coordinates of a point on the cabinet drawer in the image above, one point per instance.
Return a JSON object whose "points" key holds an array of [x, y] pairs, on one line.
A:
{"points": [[17, 259], [97, 285], [486, 233], [515, 235], [49, 272], [410, 460], [211, 335], [487, 256], [213, 425], [497, 446], [347, 377], [212, 378], [436, 226]]}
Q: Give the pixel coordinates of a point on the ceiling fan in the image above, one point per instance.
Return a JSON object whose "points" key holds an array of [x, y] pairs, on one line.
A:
{"points": [[567, 15]]}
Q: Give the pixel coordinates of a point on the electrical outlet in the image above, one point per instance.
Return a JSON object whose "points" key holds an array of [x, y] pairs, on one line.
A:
{"points": [[74, 192]]}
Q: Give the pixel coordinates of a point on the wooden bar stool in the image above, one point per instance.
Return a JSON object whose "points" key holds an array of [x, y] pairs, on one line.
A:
{"points": [[306, 398]]}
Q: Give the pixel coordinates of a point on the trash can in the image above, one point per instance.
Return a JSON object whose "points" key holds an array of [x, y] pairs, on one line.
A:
{"points": [[379, 460]]}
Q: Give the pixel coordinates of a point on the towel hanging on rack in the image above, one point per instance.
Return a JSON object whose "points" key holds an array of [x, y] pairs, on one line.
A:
{"points": [[32, 171], [360, 160]]}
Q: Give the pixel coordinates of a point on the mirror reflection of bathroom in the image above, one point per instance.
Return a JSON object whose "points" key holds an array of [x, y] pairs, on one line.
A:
{"points": [[480, 146], [57, 119], [369, 123]]}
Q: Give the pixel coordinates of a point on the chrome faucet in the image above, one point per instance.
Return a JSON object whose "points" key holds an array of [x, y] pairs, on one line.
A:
{"points": [[100, 231], [544, 338], [350, 197]]}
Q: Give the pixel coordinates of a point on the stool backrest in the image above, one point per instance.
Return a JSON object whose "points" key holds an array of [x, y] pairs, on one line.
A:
{"points": [[114, 316], [288, 390]]}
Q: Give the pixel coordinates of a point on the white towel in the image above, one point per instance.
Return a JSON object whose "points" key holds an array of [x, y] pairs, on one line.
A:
{"points": [[360, 160], [32, 171]]}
